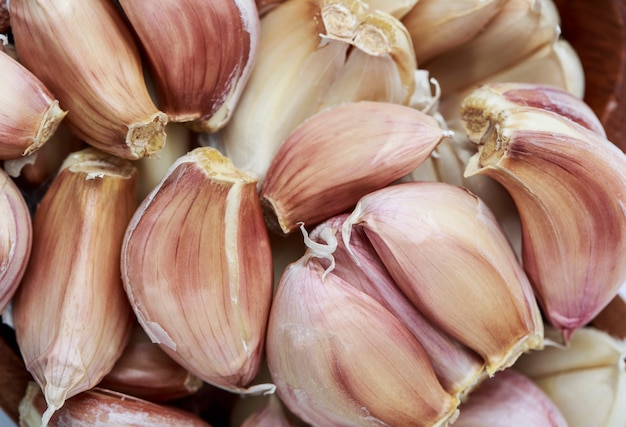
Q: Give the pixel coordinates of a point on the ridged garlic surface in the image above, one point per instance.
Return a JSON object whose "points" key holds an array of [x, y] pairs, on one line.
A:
{"points": [[16, 235], [447, 253], [70, 313], [195, 284], [458, 368], [314, 54], [30, 114], [328, 366], [86, 55], [569, 186], [211, 48], [340, 154]]}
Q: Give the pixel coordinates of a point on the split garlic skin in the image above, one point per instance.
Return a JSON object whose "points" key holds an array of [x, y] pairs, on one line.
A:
{"points": [[331, 370], [195, 284], [219, 39], [70, 313], [30, 114], [448, 254], [85, 54], [458, 368], [310, 178], [569, 186], [16, 235]]}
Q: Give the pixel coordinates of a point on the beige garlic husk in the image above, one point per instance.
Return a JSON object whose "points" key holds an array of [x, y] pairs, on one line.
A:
{"points": [[30, 112], [447, 253], [437, 26], [458, 368], [396, 8], [510, 399], [569, 184], [86, 55], [145, 371], [70, 313], [99, 407], [361, 146], [518, 29], [16, 234], [586, 379], [219, 39], [187, 250], [328, 366], [313, 55]]}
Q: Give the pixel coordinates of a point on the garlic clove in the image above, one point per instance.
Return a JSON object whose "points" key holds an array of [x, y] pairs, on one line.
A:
{"points": [[447, 253], [99, 407], [438, 26], [518, 29], [509, 399], [586, 379], [84, 53], [328, 366], [147, 372], [187, 250], [30, 113], [16, 236], [219, 38], [70, 313], [396, 8], [272, 414], [457, 368], [313, 55], [310, 180], [568, 184]]}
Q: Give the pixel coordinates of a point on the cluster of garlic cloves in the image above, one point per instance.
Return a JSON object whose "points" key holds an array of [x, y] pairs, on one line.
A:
{"points": [[187, 250], [568, 184], [70, 312], [367, 379], [86, 55]]}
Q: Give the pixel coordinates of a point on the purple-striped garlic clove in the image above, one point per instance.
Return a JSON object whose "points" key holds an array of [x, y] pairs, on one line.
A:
{"points": [[447, 253], [569, 186]]}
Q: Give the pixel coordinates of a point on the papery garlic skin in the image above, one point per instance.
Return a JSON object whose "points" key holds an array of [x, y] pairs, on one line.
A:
{"points": [[310, 178], [458, 368], [16, 234], [187, 250], [84, 53], [586, 379], [30, 114], [100, 407], [509, 399], [219, 38], [569, 186], [70, 313], [447, 253], [331, 370]]}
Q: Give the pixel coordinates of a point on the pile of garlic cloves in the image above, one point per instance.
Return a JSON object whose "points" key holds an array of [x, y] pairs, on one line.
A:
{"points": [[307, 212]]}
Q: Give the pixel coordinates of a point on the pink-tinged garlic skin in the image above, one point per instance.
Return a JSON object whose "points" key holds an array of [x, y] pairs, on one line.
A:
{"points": [[569, 186], [331, 370], [201, 56], [457, 367], [198, 244], [447, 253], [100, 407], [509, 399], [30, 114], [16, 236], [340, 154], [85, 54], [70, 313], [272, 414]]}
